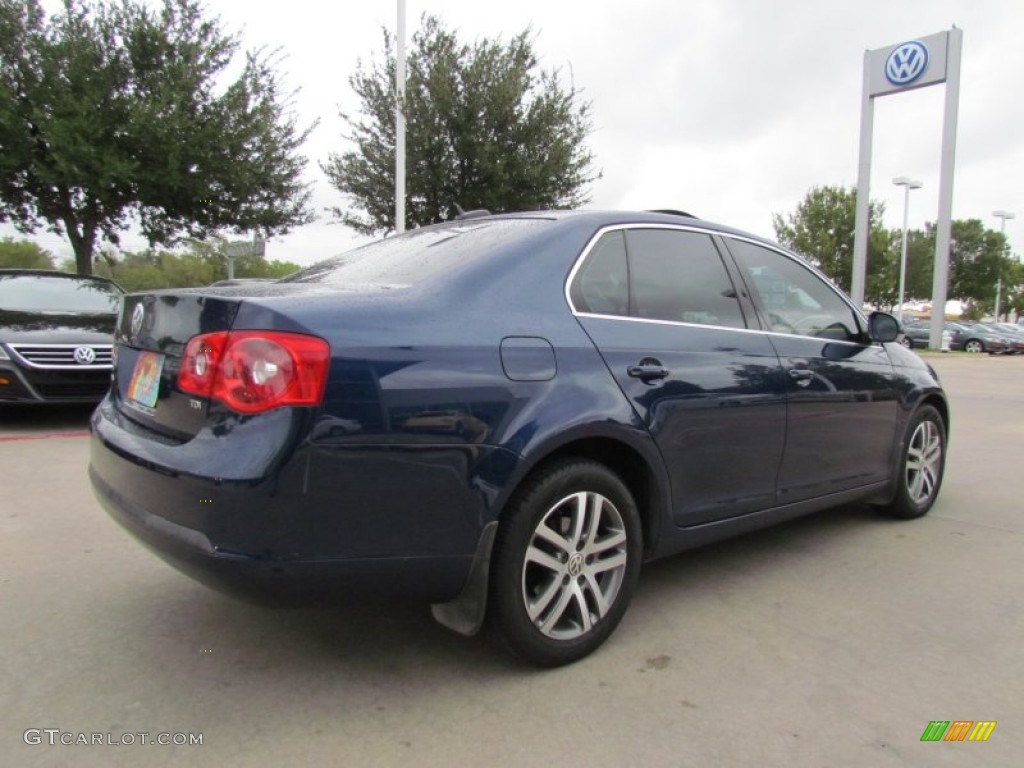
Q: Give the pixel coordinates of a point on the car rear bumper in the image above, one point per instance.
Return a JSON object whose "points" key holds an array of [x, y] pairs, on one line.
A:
{"points": [[311, 524], [284, 582]]}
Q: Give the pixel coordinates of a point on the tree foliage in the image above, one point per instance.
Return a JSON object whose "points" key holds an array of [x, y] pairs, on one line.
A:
{"points": [[112, 112], [486, 128], [201, 263], [23, 254], [822, 230], [978, 259]]}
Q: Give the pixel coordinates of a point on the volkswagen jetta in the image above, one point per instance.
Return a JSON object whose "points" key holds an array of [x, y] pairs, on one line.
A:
{"points": [[505, 416]]}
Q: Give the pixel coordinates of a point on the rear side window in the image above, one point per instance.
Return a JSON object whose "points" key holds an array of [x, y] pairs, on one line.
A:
{"points": [[679, 276], [410, 258]]}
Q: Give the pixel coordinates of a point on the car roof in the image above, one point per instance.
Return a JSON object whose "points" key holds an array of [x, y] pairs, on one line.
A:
{"points": [[604, 217]]}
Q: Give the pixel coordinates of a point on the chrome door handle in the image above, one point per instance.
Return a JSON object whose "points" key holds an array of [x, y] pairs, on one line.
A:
{"points": [[648, 369]]}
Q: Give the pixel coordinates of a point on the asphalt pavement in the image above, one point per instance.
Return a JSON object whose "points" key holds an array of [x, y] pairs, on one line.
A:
{"points": [[829, 641]]}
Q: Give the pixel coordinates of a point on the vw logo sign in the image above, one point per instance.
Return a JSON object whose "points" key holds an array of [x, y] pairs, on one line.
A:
{"points": [[906, 63], [85, 355], [138, 316]]}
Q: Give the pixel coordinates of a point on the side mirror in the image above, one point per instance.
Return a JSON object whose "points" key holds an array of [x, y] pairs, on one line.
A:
{"points": [[883, 327]]}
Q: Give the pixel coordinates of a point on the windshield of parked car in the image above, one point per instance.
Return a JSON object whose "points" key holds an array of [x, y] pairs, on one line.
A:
{"points": [[45, 293], [407, 259]]}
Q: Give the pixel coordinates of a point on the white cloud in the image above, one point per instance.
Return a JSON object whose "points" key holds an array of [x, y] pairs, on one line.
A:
{"points": [[732, 109]]}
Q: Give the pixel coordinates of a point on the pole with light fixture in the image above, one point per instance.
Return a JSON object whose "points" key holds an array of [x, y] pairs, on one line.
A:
{"points": [[400, 120], [1003, 216], [907, 184]]}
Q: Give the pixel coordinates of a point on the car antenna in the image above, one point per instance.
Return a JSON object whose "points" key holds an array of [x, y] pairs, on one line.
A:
{"points": [[475, 214]]}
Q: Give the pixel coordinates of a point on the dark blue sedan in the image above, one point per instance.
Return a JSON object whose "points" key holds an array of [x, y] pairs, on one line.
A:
{"points": [[505, 416]]}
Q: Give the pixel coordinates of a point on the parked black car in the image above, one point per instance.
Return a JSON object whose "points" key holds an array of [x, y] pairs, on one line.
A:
{"points": [[56, 336], [505, 416]]}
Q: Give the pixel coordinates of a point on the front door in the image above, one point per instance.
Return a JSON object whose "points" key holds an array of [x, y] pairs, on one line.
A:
{"points": [[841, 387]]}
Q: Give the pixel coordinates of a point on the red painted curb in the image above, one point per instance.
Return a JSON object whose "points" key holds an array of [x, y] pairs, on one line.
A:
{"points": [[44, 436]]}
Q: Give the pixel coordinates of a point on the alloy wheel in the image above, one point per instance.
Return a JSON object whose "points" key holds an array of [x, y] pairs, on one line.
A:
{"points": [[924, 461], [574, 565]]}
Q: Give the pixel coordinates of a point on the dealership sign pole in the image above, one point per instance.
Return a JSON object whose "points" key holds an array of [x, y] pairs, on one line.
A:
{"points": [[913, 64]]}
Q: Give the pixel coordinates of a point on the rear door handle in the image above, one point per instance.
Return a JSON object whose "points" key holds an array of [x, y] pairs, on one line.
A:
{"points": [[648, 369]]}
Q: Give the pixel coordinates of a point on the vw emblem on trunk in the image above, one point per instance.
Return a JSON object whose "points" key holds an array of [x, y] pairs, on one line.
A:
{"points": [[906, 63], [138, 316], [85, 355]]}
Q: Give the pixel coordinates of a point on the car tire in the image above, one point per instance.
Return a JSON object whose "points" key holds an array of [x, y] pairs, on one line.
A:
{"points": [[921, 466], [907, 342], [566, 562], [974, 345]]}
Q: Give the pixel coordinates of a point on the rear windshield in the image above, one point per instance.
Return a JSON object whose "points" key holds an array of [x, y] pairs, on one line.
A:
{"points": [[43, 293], [418, 255]]}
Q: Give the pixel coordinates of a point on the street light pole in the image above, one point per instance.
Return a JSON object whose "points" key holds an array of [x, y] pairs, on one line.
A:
{"points": [[400, 121], [1003, 216], [907, 184]]}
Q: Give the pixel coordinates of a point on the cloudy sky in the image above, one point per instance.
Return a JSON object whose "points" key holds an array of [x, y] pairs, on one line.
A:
{"points": [[729, 109]]}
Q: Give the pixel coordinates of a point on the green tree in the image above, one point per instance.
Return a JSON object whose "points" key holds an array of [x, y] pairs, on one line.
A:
{"points": [[486, 128], [822, 230], [202, 263], [920, 263], [112, 113], [23, 254], [977, 259], [1013, 284]]}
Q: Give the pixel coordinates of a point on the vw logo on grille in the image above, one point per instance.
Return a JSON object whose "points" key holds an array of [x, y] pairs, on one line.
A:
{"points": [[138, 316], [906, 63], [85, 355]]}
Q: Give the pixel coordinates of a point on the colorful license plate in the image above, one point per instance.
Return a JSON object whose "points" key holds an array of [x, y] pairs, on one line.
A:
{"points": [[145, 384]]}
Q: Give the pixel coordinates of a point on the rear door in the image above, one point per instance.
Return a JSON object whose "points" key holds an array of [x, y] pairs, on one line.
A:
{"points": [[664, 311]]}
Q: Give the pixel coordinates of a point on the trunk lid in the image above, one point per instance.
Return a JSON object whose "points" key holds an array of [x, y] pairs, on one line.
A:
{"points": [[152, 331]]}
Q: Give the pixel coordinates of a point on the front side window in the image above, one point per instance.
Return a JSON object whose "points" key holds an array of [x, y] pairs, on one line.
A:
{"points": [[679, 276], [795, 300]]}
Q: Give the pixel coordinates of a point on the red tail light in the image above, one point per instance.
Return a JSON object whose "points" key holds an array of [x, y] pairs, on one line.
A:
{"points": [[253, 371]]}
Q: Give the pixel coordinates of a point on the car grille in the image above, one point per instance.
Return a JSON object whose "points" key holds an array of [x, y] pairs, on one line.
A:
{"points": [[63, 356], [69, 385]]}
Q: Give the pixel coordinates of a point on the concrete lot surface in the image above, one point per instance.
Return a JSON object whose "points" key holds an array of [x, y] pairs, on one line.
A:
{"points": [[830, 641]]}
